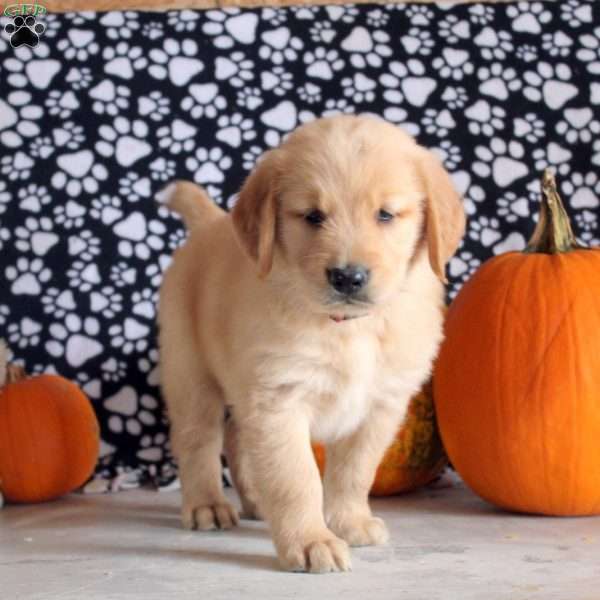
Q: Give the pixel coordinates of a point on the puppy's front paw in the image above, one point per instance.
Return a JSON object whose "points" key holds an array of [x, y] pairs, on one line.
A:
{"points": [[321, 554], [221, 515], [361, 531]]}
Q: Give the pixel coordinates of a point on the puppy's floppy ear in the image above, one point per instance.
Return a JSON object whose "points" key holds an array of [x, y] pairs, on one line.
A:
{"points": [[255, 212], [444, 213]]}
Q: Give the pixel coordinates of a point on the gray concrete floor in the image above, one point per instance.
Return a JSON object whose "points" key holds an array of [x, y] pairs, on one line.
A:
{"points": [[446, 544]]}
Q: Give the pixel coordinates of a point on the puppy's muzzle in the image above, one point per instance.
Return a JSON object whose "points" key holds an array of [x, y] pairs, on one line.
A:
{"points": [[349, 280]]}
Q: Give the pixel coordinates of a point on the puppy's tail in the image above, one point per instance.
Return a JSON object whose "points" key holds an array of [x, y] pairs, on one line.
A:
{"points": [[191, 202]]}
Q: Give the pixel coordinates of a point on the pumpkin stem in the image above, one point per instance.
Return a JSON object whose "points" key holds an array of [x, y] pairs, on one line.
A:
{"points": [[553, 233]]}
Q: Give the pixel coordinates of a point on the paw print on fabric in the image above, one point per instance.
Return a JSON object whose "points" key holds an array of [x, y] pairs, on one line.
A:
{"points": [[230, 26], [27, 276], [106, 301], [19, 119], [179, 136], [41, 147], [58, 302], [79, 44], [323, 63], [152, 447], [453, 64], [176, 60], [528, 17], [16, 166], [359, 87], [527, 53], [124, 406], [130, 336], [345, 14], [84, 245], [208, 165], [450, 154], [162, 169], [14, 67], [278, 80], [377, 18], [153, 30], [418, 41], [182, 20], [109, 98], [501, 160], [113, 370], [78, 171], [70, 136], [455, 96], [494, 45], [579, 125], [61, 104], [485, 119], [250, 157], [419, 15], [149, 365], [144, 303], [5, 236], [550, 83], [438, 122], [204, 100], [79, 77], [124, 60], [234, 129], [75, 340], [587, 223], [498, 81], [154, 105], [453, 29], [557, 43], [463, 265], [481, 14], [407, 82], [484, 230], [530, 126], [310, 93], [250, 98], [125, 140], [274, 16], [106, 209], [32, 198], [553, 156], [322, 32], [235, 69], [575, 13], [120, 25], [176, 239], [513, 207], [154, 272], [367, 48], [139, 236], [25, 333], [36, 236], [24, 31], [133, 187], [590, 53], [5, 196], [279, 45], [582, 190], [338, 106], [83, 276]]}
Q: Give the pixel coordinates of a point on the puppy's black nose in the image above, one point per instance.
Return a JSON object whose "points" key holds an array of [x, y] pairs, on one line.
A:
{"points": [[348, 280]]}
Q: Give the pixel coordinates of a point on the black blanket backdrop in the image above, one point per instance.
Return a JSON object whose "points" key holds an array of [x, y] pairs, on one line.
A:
{"points": [[108, 108]]}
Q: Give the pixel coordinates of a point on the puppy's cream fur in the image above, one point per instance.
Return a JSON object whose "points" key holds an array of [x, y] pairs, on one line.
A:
{"points": [[246, 322]]}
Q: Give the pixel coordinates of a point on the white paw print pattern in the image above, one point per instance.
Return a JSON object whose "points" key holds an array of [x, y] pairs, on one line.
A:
{"points": [[110, 107]]}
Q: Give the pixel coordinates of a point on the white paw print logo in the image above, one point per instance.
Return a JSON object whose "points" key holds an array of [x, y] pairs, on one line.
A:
{"points": [[204, 101], [177, 137], [279, 45], [550, 83], [208, 165], [78, 171], [234, 129], [125, 139], [25, 334], [176, 60], [501, 160], [75, 339], [140, 236], [27, 276], [129, 337], [36, 235], [367, 48]]}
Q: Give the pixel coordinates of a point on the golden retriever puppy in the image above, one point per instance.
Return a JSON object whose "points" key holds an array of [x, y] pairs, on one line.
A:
{"points": [[312, 311]]}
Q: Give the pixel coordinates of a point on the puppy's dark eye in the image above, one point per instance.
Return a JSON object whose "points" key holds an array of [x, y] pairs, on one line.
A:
{"points": [[315, 218], [383, 216]]}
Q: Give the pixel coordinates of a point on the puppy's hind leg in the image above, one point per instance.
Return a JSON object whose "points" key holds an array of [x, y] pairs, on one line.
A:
{"points": [[197, 421]]}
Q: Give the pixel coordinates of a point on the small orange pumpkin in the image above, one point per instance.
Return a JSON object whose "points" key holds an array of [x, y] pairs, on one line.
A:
{"points": [[415, 457], [517, 381], [49, 437]]}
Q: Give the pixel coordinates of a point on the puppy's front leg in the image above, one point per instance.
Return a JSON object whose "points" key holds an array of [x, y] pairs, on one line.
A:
{"points": [[349, 472], [289, 492]]}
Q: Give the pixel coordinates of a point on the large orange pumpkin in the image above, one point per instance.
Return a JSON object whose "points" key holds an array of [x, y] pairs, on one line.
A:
{"points": [[517, 382], [415, 457], [49, 438]]}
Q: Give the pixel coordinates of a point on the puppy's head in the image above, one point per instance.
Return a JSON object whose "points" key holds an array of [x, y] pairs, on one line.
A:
{"points": [[346, 203]]}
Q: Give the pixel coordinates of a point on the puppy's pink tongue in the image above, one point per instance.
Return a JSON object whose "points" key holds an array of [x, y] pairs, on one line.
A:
{"points": [[337, 318]]}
